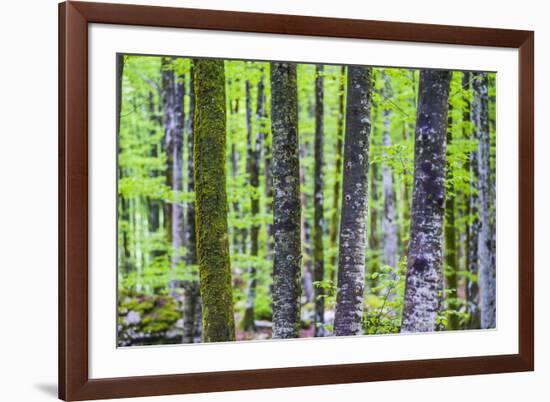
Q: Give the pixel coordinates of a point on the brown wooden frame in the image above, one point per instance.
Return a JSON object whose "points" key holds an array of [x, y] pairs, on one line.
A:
{"points": [[74, 18]]}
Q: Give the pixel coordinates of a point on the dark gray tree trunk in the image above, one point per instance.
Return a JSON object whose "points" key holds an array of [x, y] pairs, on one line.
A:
{"points": [[254, 160], [286, 201], [472, 227], [424, 278], [173, 97], [211, 201], [487, 271], [353, 231], [318, 199]]}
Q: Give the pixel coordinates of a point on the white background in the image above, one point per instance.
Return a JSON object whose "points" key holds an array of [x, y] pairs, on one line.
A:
{"points": [[28, 206]]}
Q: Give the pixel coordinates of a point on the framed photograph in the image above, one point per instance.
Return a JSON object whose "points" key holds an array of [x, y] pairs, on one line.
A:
{"points": [[263, 200]]}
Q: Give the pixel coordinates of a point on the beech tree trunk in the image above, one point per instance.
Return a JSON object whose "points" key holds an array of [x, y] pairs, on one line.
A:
{"points": [[318, 199], [286, 201], [353, 231], [472, 227], [211, 201], [487, 271], [307, 256], [424, 278]]}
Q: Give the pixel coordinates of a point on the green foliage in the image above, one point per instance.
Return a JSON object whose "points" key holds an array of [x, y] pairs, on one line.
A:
{"points": [[145, 253], [384, 304]]}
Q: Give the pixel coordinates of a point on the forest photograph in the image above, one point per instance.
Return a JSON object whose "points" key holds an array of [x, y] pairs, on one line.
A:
{"points": [[261, 200]]}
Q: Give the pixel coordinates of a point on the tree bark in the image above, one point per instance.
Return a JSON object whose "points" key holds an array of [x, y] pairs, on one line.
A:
{"points": [[318, 211], [424, 281], [374, 235], [307, 260], [353, 231], [173, 98], [211, 201], [472, 227], [286, 201], [487, 271]]}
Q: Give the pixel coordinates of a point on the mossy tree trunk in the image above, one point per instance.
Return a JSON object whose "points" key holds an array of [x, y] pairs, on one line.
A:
{"points": [[286, 201], [487, 271], [211, 201], [424, 278], [353, 227]]}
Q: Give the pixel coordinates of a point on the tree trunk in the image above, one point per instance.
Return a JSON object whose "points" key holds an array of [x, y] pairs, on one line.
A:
{"points": [[451, 254], [334, 222], [192, 307], [487, 272], [353, 231], [373, 239], [286, 201], [318, 211], [424, 281], [307, 259], [211, 201], [472, 227], [254, 160], [173, 98], [235, 173]]}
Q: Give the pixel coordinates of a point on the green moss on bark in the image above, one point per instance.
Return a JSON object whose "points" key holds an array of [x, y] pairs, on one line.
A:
{"points": [[211, 201]]}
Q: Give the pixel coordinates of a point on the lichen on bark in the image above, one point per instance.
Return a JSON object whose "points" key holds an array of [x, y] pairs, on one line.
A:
{"points": [[353, 231], [211, 201], [286, 201], [424, 277]]}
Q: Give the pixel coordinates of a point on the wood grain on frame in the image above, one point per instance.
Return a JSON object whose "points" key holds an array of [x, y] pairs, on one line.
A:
{"points": [[74, 382]]}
